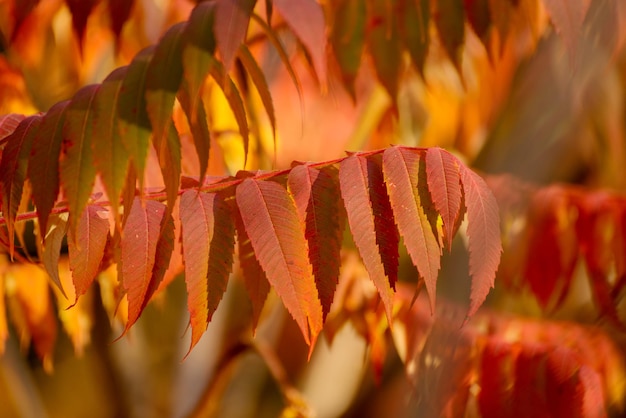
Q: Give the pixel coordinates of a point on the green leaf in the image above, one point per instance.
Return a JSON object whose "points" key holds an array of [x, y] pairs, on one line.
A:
{"points": [[413, 25], [384, 45], [347, 38]]}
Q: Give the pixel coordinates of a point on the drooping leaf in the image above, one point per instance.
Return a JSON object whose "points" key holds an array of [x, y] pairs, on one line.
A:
{"points": [[86, 246], [80, 10], [232, 18], [163, 254], [568, 17], [371, 221], [43, 164], [318, 199], [77, 169], [306, 20], [483, 231], [110, 155], [449, 18], [208, 244], [442, 171], [564, 387], [347, 38], [401, 169], [51, 252], [494, 398], [384, 44], [8, 123], [276, 233], [528, 397], [4, 326], [138, 249], [13, 166], [479, 18], [21, 9], [169, 154], [258, 78], [199, 127], [132, 118], [119, 11], [413, 26]]}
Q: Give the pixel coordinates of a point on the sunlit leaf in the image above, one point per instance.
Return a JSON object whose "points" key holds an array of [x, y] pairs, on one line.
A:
{"points": [[199, 127], [276, 233], [8, 123], [51, 252], [231, 24], [258, 78]]}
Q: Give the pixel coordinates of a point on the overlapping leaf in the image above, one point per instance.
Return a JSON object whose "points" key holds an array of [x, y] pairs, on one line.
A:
{"points": [[51, 251], [8, 123], [413, 21], [384, 45], [347, 38], [231, 25]]}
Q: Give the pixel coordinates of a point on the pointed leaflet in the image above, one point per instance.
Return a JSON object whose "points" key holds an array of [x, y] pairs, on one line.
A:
{"points": [[162, 257], [371, 221], [442, 172], [80, 10], [199, 127], [133, 122], [138, 250], [568, 17], [494, 398], [78, 172], [110, 155], [53, 241], [13, 170], [86, 246], [479, 18], [384, 45], [258, 78], [168, 151], [271, 220], [119, 11], [317, 197], [450, 21], [413, 22], [20, 11], [208, 234], [306, 20], [231, 24], [401, 168], [347, 38], [483, 232], [8, 123], [43, 164]]}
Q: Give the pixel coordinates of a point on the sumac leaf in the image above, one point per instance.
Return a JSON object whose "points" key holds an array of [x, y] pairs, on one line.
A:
{"points": [[449, 18], [384, 45], [51, 252], [413, 26], [232, 18], [347, 38]]}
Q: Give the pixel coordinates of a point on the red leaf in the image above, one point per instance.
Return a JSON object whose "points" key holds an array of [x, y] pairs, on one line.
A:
{"points": [[442, 173], [528, 398], [13, 170], [138, 250], [43, 164], [8, 123], [483, 231], [199, 127], [163, 255], [371, 221], [232, 18], [258, 78], [479, 18], [119, 11], [21, 10], [86, 246], [77, 171], [80, 10], [52, 242], [494, 399], [317, 197], [306, 20], [276, 233], [568, 17], [401, 169], [208, 246], [564, 388]]}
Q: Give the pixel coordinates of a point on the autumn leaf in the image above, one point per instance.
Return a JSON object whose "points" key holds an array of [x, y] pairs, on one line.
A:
{"points": [[442, 173], [258, 78], [318, 199], [276, 233], [199, 127], [401, 169], [413, 26], [119, 11], [483, 231], [449, 19], [163, 254], [13, 167], [232, 18], [86, 244], [371, 221], [208, 246], [80, 10], [384, 45], [51, 251], [568, 17], [347, 38], [43, 163], [8, 123], [478, 15], [495, 394]]}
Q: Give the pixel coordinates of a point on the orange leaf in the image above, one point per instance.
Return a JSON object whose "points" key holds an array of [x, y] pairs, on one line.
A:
{"points": [[371, 221], [483, 231], [208, 245], [52, 243], [401, 168], [276, 233], [232, 18]]}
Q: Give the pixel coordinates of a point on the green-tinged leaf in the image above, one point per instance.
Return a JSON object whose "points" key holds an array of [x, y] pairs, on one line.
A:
{"points": [[347, 38], [53, 241], [163, 77], [43, 164], [132, 119], [449, 18], [109, 152], [384, 44], [401, 170], [254, 278], [86, 246], [77, 169], [318, 200], [13, 168], [169, 154], [371, 221], [306, 20], [163, 255], [8, 123], [483, 232], [442, 173], [413, 25], [276, 233], [258, 78], [119, 11], [199, 127], [208, 237], [80, 10], [138, 251], [232, 18], [198, 50]]}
